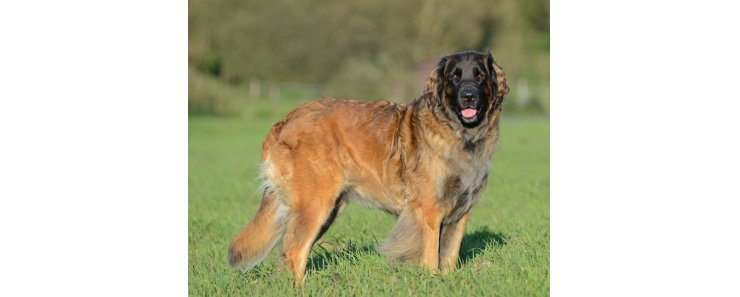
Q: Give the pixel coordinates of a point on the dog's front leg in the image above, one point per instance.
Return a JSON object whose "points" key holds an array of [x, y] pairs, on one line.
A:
{"points": [[449, 244], [429, 219]]}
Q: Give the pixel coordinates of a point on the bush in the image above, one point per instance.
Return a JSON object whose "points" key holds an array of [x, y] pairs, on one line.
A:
{"points": [[372, 81], [210, 96]]}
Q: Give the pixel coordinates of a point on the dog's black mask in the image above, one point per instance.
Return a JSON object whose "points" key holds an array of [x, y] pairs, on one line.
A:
{"points": [[466, 84]]}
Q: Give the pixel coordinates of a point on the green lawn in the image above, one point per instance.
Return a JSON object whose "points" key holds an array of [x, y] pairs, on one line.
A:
{"points": [[505, 252]]}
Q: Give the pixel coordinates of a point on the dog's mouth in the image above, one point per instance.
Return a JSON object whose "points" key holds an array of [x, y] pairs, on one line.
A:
{"points": [[469, 113]]}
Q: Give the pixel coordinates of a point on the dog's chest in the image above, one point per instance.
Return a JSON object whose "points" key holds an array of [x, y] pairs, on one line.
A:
{"points": [[463, 186]]}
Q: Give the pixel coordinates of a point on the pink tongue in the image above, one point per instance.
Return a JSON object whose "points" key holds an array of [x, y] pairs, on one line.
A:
{"points": [[468, 112]]}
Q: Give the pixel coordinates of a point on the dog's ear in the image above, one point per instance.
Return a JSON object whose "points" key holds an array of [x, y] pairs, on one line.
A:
{"points": [[436, 81], [503, 84], [430, 86], [498, 78], [441, 79]]}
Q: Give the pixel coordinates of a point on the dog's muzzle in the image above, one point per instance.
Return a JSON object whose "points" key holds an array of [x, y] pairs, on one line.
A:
{"points": [[468, 100]]}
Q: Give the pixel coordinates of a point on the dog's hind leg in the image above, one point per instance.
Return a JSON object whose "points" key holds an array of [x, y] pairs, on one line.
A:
{"points": [[314, 206], [338, 207]]}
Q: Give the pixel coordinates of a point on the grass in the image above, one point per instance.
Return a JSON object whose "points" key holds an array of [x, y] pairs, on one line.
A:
{"points": [[505, 250]]}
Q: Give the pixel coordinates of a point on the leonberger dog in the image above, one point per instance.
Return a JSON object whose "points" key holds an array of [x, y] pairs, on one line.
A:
{"points": [[425, 161]]}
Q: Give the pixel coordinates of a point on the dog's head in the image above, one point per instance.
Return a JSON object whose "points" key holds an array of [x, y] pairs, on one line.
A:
{"points": [[469, 85]]}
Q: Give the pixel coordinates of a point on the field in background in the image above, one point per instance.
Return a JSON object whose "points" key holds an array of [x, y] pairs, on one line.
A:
{"points": [[505, 250], [373, 50]]}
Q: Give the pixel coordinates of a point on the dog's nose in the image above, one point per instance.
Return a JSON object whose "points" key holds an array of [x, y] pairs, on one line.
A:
{"points": [[470, 97]]}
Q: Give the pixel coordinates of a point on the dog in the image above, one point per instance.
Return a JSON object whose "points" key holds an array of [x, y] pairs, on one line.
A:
{"points": [[426, 161]]}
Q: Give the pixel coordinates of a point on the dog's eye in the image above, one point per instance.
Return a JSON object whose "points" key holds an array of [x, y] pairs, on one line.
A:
{"points": [[456, 78], [480, 77]]}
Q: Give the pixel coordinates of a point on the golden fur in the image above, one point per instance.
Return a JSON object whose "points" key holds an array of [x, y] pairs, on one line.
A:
{"points": [[413, 160]]}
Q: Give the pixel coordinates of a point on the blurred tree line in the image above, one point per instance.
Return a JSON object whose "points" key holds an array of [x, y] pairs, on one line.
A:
{"points": [[374, 50]]}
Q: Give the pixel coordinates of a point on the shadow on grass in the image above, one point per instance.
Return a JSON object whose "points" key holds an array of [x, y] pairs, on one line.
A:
{"points": [[473, 244], [326, 258]]}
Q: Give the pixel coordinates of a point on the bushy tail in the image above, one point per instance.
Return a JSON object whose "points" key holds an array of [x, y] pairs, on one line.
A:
{"points": [[404, 243], [258, 238]]}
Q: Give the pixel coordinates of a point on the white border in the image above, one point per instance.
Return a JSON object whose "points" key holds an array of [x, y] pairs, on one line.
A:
{"points": [[644, 146], [93, 160]]}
